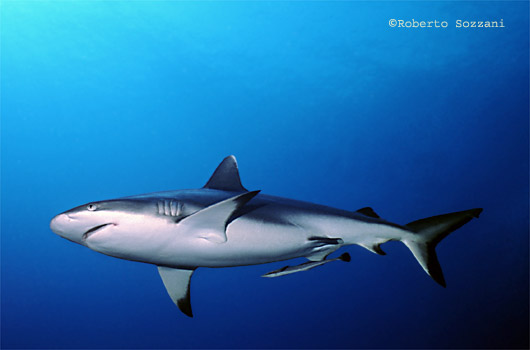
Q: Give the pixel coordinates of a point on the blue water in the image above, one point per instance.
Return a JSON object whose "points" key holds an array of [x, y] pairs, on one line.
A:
{"points": [[319, 101]]}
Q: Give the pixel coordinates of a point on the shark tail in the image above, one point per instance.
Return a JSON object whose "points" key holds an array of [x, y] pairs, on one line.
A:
{"points": [[430, 232]]}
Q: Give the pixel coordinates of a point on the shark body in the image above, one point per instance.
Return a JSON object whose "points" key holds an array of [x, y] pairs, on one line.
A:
{"points": [[223, 225]]}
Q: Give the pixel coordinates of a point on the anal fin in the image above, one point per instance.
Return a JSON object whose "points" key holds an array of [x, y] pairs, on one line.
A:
{"points": [[374, 248]]}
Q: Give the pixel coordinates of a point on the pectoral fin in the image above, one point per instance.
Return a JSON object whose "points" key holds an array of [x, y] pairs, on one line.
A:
{"points": [[177, 283], [210, 223]]}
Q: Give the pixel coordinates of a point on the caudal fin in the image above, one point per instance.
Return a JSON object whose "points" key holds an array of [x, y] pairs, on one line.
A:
{"points": [[430, 232]]}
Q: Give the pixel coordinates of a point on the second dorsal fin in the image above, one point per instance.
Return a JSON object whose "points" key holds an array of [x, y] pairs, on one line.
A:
{"points": [[226, 177], [368, 212]]}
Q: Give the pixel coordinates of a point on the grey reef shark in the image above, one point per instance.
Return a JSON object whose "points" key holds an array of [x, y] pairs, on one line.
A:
{"points": [[223, 224]]}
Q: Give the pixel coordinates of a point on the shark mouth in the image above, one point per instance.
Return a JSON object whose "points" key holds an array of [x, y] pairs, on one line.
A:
{"points": [[94, 229]]}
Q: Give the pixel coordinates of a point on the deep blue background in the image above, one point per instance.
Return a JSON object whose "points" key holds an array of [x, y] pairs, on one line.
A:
{"points": [[319, 101]]}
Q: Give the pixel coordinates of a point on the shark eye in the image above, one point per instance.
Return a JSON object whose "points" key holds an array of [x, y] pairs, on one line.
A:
{"points": [[91, 207]]}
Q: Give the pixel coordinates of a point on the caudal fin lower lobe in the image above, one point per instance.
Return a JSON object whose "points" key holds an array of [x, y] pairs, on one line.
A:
{"points": [[429, 232]]}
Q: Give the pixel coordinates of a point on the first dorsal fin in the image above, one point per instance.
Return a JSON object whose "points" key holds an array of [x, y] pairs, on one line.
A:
{"points": [[226, 177], [367, 211]]}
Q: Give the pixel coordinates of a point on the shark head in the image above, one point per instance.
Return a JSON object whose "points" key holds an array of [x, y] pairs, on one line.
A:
{"points": [[169, 228], [139, 228], [88, 222]]}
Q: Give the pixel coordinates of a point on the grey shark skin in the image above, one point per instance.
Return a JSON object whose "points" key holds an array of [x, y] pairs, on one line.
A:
{"points": [[223, 224]]}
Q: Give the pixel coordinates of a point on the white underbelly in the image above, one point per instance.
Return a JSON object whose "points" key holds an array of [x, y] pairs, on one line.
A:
{"points": [[248, 242]]}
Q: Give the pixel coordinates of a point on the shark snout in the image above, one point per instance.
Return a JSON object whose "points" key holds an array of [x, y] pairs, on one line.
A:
{"points": [[59, 223], [66, 227]]}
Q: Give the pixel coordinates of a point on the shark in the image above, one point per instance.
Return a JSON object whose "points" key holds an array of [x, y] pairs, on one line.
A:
{"points": [[223, 224]]}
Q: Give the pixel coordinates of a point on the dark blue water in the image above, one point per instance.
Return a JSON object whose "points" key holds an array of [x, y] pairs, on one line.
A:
{"points": [[319, 101]]}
